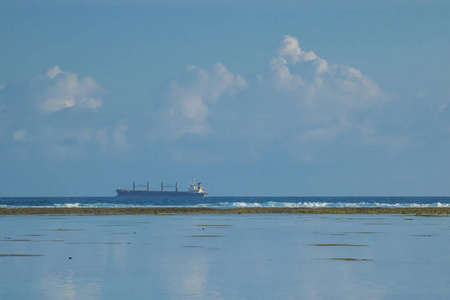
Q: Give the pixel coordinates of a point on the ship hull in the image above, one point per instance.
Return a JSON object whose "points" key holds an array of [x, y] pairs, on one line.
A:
{"points": [[171, 194]]}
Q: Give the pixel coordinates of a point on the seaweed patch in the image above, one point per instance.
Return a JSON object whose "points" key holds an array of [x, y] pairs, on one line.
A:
{"points": [[347, 259], [339, 245], [20, 255], [215, 225]]}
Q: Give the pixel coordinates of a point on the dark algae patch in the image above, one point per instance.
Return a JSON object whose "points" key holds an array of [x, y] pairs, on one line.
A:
{"points": [[19, 255], [338, 245], [347, 259], [95, 243], [205, 225], [33, 235], [41, 241]]}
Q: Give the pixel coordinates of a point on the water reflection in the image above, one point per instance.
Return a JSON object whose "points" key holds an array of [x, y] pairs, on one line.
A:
{"points": [[70, 286], [288, 257]]}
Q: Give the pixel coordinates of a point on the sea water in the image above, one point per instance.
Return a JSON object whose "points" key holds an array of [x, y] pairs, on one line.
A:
{"points": [[224, 202], [225, 256]]}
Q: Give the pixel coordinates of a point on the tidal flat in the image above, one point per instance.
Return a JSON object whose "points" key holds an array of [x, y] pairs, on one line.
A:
{"points": [[222, 256]]}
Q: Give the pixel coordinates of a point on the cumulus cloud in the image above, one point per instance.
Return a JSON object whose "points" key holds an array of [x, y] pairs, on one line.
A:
{"points": [[19, 135], [282, 78], [290, 50], [327, 97], [317, 74], [300, 99], [186, 103], [62, 89], [51, 116]]}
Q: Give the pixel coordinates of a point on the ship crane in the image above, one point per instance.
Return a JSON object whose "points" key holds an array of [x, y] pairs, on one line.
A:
{"points": [[194, 190], [175, 186]]}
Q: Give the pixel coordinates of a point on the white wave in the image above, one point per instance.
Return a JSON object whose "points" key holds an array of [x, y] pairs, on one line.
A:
{"points": [[68, 205], [241, 204], [244, 204], [320, 204]]}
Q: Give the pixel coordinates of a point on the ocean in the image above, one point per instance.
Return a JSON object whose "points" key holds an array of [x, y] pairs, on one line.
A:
{"points": [[224, 256], [224, 202]]}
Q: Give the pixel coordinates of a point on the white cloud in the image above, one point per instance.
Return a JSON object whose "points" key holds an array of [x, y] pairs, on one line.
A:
{"points": [[300, 100], [120, 139], [186, 103], [441, 108], [290, 50], [19, 135], [282, 77], [326, 133], [322, 94], [371, 137], [53, 72], [421, 95], [29, 114], [64, 89], [313, 72]]}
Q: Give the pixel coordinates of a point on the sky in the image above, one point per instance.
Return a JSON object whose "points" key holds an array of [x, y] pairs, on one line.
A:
{"points": [[252, 98]]}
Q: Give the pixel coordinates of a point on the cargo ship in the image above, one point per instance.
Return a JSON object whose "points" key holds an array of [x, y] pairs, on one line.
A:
{"points": [[194, 190]]}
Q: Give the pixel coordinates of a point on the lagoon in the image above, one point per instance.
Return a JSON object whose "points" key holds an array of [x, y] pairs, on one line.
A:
{"points": [[224, 256]]}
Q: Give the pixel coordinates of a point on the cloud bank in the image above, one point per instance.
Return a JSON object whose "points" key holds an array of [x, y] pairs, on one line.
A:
{"points": [[299, 101]]}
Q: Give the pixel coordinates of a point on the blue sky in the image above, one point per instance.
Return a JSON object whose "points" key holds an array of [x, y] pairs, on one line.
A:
{"points": [[307, 98]]}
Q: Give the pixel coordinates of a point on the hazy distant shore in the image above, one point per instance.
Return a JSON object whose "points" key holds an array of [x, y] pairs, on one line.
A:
{"points": [[201, 210]]}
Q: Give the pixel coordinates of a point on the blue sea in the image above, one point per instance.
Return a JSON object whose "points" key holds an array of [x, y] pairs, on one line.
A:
{"points": [[224, 202]]}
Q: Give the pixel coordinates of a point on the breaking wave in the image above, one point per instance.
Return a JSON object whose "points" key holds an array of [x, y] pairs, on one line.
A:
{"points": [[226, 202], [322, 204]]}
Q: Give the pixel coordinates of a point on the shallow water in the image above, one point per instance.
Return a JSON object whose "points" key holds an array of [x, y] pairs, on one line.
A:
{"points": [[225, 257]]}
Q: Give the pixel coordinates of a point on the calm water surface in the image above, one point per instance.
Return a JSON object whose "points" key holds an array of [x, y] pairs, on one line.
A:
{"points": [[225, 257]]}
